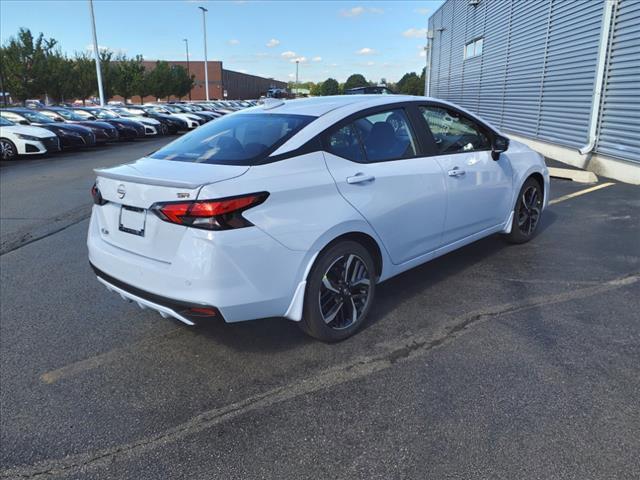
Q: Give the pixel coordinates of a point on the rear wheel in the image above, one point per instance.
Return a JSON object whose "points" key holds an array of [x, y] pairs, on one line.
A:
{"points": [[8, 150], [340, 291], [527, 213]]}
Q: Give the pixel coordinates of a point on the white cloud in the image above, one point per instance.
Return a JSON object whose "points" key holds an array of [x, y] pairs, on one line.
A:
{"points": [[370, 64], [357, 11], [292, 75], [242, 71], [366, 51], [274, 42], [423, 11], [422, 53], [352, 12], [288, 54], [317, 59], [233, 41], [415, 33], [298, 59]]}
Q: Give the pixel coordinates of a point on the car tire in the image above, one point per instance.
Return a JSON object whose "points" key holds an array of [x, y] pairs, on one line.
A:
{"points": [[8, 150], [339, 292], [164, 130], [527, 212]]}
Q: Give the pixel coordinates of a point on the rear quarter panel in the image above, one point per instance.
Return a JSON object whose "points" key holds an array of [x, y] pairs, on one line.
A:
{"points": [[304, 210]]}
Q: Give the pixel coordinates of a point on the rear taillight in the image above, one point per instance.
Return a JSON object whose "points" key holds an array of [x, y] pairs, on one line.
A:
{"points": [[222, 214], [97, 196]]}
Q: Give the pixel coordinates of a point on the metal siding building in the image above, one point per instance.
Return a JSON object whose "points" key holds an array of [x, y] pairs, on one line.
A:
{"points": [[537, 72]]}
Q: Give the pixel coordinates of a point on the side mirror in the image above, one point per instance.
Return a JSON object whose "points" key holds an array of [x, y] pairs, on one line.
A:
{"points": [[91, 118], [500, 144], [24, 122], [58, 119]]}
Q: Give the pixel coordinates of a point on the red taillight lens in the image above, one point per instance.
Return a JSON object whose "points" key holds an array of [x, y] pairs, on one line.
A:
{"points": [[222, 214], [97, 196]]}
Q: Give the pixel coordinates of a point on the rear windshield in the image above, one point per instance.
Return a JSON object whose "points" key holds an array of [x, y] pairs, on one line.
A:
{"points": [[240, 139]]}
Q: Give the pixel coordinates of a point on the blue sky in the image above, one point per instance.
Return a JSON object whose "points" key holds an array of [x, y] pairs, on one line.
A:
{"points": [[331, 38]]}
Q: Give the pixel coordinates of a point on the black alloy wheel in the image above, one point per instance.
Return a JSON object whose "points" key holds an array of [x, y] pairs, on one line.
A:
{"points": [[527, 213], [8, 150], [339, 292]]}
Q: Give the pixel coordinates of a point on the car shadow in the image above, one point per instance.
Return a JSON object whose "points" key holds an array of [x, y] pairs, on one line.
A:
{"points": [[278, 334]]}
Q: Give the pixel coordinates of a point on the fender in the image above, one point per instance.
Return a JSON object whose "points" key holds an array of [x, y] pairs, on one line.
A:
{"points": [[294, 311]]}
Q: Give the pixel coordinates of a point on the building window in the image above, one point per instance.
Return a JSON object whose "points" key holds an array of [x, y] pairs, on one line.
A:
{"points": [[473, 48]]}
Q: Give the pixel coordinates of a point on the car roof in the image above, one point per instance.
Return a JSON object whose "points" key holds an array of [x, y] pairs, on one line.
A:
{"points": [[318, 106]]}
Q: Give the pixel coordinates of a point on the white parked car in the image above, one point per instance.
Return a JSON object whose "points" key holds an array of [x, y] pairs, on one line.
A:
{"points": [[192, 120], [299, 208], [25, 140]]}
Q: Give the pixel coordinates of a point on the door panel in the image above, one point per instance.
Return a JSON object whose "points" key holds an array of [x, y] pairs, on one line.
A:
{"points": [[479, 193], [403, 200], [479, 188]]}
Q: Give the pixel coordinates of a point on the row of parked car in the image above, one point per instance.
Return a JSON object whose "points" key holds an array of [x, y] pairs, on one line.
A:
{"points": [[29, 131]]}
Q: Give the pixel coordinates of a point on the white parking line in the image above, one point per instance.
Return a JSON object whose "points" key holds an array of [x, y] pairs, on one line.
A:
{"points": [[580, 192]]}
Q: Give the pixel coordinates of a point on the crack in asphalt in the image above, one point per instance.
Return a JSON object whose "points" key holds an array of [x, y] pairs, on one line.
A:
{"points": [[393, 352], [17, 240]]}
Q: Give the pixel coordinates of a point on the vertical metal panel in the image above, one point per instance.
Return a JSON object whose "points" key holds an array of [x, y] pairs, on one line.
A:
{"points": [[525, 59], [569, 71], [619, 129], [537, 71], [494, 60]]}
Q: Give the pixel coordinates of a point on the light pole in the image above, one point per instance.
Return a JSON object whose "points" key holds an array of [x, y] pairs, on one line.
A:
{"points": [[206, 70], [297, 89], [96, 54], [186, 43]]}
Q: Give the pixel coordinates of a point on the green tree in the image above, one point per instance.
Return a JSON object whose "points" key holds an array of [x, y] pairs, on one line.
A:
{"points": [[160, 80], [61, 83], [410, 84], [330, 87], [24, 64], [128, 73], [316, 89], [354, 81], [107, 68], [181, 82], [84, 74], [143, 86]]}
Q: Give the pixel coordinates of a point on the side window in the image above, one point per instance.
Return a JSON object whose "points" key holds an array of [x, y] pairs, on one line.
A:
{"points": [[345, 143], [386, 136], [454, 133]]}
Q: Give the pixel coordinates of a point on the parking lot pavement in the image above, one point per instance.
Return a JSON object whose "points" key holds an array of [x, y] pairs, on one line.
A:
{"points": [[45, 194], [495, 361]]}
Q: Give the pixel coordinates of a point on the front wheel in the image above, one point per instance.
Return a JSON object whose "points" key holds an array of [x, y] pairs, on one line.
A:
{"points": [[8, 150], [527, 213], [340, 291]]}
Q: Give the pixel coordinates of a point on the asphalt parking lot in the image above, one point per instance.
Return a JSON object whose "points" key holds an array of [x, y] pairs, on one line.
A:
{"points": [[495, 361]]}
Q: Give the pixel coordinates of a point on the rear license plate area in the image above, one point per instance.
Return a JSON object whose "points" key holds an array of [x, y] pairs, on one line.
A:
{"points": [[132, 220]]}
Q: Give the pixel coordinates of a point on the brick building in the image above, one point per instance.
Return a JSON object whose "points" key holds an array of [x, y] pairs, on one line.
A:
{"points": [[237, 85]]}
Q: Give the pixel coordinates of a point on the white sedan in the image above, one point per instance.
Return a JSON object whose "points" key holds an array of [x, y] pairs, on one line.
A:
{"points": [[299, 208], [25, 140]]}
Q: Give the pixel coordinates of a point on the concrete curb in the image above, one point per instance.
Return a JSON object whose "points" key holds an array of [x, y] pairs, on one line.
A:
{"points": [[581, 176]]}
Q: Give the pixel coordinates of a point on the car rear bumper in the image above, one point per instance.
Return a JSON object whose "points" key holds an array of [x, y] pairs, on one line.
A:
{"points": [[245, 274]]}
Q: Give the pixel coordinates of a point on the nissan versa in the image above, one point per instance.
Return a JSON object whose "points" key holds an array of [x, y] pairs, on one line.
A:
{"points": [[299, 208]]}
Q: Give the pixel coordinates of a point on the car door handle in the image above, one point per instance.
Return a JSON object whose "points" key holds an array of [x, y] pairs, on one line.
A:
{"points": [[456, 172], [360, 178]]}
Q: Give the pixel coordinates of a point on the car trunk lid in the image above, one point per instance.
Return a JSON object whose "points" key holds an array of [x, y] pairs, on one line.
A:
{"points": [[126, 222]]}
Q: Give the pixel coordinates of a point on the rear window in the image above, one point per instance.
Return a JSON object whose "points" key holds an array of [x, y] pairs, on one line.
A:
{"points": [[234, 139]]}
